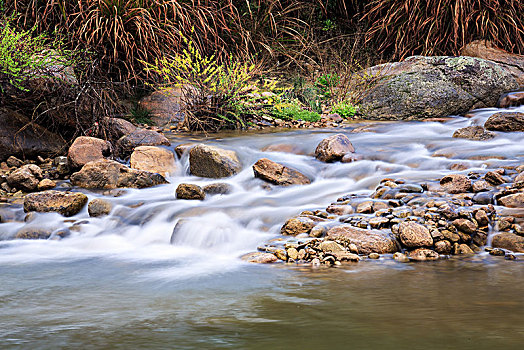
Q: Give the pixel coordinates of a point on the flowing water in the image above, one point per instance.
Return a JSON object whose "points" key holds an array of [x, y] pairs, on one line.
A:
{"points": [[117, 283]]}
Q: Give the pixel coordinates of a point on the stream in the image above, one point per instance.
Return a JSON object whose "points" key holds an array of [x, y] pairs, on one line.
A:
{"points": [[116, 282]]}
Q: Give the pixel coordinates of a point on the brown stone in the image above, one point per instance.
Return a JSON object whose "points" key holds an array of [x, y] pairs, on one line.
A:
{"points": [[515, 200], [218, 188], [473, 133], [99, 207], [340, 209], [117, 127], [443, 247], [413, 235], [284, 148], [494, 178], [456, 183], [213, 162], [140, 137], [184, 148], [25, 178], [520, 177], [259, 258], [297, 225], [465, 226], [109, 174], [190, 191], [278, 174], [87, 149], [164, 105], [334, 148], [423, 254], [67, 204], [505, 121], [511, 99], [367, 241], [46, 184], [481, 186], [509, 241], [153, 159]]}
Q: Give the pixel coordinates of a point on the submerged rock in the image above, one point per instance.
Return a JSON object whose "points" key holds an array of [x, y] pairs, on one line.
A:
{"points": [[87, 149], [278, 174], [33, 233], [109, 174], [473, 133], [334, 148], [213, 162], [99, 207], [423, 254], [218, 188], [65, 203]]}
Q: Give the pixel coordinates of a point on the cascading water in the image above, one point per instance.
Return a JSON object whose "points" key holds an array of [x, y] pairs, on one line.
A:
{"points": [[136, 243]]}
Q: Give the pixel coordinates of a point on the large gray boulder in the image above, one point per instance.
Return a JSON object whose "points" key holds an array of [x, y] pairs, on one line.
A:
{"points": [[431, 87]]}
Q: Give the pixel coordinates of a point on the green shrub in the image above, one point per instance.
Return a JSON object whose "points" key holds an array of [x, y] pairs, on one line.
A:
{"points": [[215, 95], [293, 111], [345, 109], [23, 56]]}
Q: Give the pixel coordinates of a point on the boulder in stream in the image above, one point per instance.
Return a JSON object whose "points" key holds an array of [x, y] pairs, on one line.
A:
{"points": [[456, 183], [278, 174], [413, 235], [99, 207], [190, 191], [334, 148], [213, 162], [153, 159], [509, 241], [505, 121], [65, 203], [474, 132], [87, 149], [109, 174]]}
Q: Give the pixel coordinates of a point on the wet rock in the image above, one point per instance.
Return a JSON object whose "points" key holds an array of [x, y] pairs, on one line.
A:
{"points": [[374, 256], [350, 158], [213, 162], [443, 247], [509, 241], [505, 121], [99, 207], [117, 127], [400, 257], [494, 178], [481, 186], [62, 165], [432, 87], [184, 148], [153, 159], [512, 99], [278, 174], [259, 258], [190, 191], [330, 246], [520, 177], [423, 254], [334, 148], [515, 200], [483, 198], [497, 252], [456, 183], [87, 149], [318, 231], [284, 148], [46, 184], [367, 241], [462, 249], [473, 133], [340, 209], [414, 235], [109, 174], [33, 233], [465, 226], [140, 137], [25, 178], [365, 207], [218, 188], [297, 225], [67, 204], [292, 253]]}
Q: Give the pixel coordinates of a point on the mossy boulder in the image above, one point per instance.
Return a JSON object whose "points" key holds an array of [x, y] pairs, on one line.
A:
{"points": [[431, 87]]}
